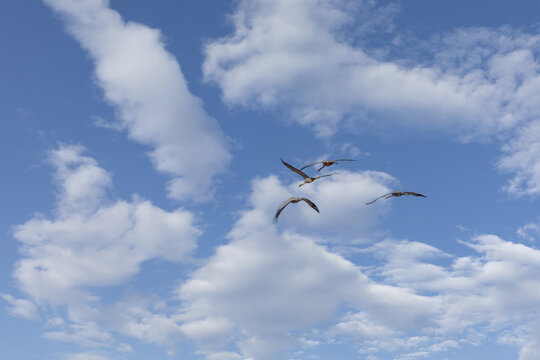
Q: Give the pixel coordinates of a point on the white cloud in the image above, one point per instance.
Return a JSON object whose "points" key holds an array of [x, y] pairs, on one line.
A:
{"points": [[145, 83], [123, 347], [494, 290], [521, 159], [85, 356], [496, 285], [475, 83], [529, 231], [271, 285], [292, 55], [340, 198], [265, 285], [21, 308], [404, 262], [86, 334], [531, 345], [359, 325], [93, 242], [353, 151], [147, 320], [224, 355]]}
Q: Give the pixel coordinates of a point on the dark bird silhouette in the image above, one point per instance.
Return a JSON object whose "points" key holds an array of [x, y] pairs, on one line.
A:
{"points": [[307, 179], [326, 163], [396, 194], [293, 199]]}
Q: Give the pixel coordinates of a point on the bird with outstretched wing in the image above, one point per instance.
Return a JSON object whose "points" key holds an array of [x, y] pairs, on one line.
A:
{"points": [[294, 199], [396, 194], [307, 179], [326, 163]]}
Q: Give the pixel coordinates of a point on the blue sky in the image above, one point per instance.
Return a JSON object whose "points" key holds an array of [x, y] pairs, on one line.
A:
{"points": [[141, 147]]}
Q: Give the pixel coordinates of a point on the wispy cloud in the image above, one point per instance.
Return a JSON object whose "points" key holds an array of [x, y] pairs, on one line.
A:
{"points": [[521, 157], [21, 308], [88, 334], [146, 85], [85, 356], [529, 231]]}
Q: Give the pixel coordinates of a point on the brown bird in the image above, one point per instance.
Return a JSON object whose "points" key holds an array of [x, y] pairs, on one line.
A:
{"points": [[293, 199], [326, 163], [307, 179], [396, 194]]}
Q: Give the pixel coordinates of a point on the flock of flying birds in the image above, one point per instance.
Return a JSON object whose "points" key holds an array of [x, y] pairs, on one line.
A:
{"points": [[310, 179]]}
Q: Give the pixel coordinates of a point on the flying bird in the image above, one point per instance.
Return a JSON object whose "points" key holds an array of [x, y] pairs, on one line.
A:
{"points": [[396, 194], [307, 179], [293, 199], [326, 163]]}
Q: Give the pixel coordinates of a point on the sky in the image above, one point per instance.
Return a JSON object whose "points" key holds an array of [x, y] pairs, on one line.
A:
{"points": [[140, 151]]}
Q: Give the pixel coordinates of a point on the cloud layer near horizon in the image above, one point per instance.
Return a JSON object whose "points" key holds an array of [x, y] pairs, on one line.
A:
{"points": [[146, 85]]}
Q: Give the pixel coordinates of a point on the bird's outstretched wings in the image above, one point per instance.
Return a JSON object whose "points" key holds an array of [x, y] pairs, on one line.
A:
{"points": [[396, 194], [322, 162], [414, 194], [280, 208], [321, 176], [292, 168], [380, 197], [315, 163], [288, 201], [310, 203]]}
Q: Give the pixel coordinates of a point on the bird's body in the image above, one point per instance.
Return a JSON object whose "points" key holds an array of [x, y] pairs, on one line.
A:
{"points": [[326, 163], [293, 199], [307, 179], [396, 194]]}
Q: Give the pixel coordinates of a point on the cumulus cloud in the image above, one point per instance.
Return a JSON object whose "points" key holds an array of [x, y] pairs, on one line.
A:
{"points": [[146, 85], [340, 199], [267, 284], [475, 83], [92, 242], [272, 287], [273, 290]]}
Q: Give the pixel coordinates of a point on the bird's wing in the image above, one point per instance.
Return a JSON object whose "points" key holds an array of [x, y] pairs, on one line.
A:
{"points": [[280, 208], [292, 168], [344, 160], [318, 162], [414, 194], [380, 197], [321, 176], [310, 203]]}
